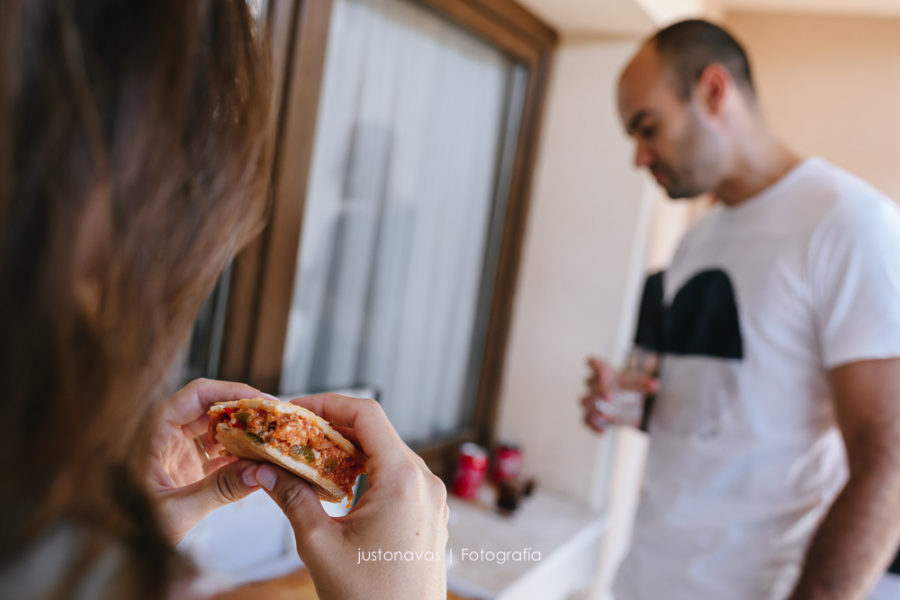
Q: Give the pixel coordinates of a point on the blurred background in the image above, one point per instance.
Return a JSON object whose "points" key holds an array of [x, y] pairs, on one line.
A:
{"points": [[455, 224]]}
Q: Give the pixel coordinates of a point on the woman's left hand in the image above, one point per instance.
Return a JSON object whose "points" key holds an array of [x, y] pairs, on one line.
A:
{"points": [[186, 476]]}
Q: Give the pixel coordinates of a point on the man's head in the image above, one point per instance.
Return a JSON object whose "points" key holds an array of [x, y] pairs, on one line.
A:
{"points": [[676, 99]]}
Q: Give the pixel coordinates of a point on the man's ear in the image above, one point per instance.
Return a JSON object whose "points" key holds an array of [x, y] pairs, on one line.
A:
{"points": [[713, 88]]}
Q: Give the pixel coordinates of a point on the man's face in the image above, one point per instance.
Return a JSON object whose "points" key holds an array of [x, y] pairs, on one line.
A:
{"points": [[674, 139]]}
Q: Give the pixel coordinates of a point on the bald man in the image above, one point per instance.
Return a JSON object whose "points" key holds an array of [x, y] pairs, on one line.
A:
{"points": [[774, 462]]}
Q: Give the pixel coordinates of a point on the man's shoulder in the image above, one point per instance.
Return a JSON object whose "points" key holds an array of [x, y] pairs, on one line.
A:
{"points": [[822, 197], [850, 205], [830, 187]]}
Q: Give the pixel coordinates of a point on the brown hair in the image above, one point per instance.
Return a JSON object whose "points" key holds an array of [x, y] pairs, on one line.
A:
{"points": [[689, 46], [133, 165]]}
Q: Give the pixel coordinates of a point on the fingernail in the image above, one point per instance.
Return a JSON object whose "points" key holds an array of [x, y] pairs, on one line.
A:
{"points": [[266, 476], [248, 476], [271, 397]]}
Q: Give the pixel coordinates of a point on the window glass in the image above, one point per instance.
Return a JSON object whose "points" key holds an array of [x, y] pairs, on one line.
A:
{"points": [[405, 204]]}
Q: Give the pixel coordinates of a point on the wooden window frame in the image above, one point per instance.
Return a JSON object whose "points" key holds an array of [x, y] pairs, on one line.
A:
{"points": [[263, 274]]}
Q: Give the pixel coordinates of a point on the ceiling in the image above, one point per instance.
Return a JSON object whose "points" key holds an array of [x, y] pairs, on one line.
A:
{"points": [[639, 17], [591, 16], [874, 8], [609, 17]]}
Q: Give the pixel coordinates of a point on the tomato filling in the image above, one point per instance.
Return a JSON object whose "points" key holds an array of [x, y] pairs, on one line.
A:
{"points": [[296, 438]]}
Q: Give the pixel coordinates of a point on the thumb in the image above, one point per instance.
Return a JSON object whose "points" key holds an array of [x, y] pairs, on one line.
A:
{"points": [[182, 508], [296, 499]]}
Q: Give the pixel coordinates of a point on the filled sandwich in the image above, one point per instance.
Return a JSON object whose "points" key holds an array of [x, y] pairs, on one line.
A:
{"points": [[291, 437]]}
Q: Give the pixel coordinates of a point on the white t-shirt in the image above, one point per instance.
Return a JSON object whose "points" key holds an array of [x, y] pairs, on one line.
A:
{"points": [[761, 300]]}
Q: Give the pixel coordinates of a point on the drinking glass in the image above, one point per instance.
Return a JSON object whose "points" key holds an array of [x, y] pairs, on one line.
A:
{"points": [[626, 406]]}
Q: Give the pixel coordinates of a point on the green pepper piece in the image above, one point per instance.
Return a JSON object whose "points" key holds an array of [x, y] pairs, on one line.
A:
{"points": [[304, 452], [242, 417], [331, 465], [253, 437]]}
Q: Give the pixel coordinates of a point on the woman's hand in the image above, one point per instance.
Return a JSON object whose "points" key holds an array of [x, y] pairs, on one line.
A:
{"points": [[187, 477], [404, 511]]}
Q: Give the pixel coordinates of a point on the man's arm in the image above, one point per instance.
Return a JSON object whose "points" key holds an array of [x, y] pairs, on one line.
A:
{"points": [[860, 532]]}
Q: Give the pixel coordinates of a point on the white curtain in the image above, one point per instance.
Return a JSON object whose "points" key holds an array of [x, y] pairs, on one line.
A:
{"points": [[397, 212]]}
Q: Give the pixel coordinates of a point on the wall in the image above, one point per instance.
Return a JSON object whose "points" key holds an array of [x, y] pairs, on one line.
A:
{"points": [[581, 270], [830, 85]]}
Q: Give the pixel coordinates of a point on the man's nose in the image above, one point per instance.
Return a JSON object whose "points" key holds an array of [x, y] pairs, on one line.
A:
{"points": [[643, 157]]}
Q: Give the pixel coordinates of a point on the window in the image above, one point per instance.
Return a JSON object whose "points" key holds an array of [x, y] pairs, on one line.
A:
{"points": [[406, 135], [393, 273]]}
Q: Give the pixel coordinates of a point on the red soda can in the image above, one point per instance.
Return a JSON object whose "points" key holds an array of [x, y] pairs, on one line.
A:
{"points": [[507, 463], [472, 464]]}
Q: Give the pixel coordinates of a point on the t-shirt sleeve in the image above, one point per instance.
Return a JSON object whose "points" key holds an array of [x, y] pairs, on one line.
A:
{"points": [[854, 261]]}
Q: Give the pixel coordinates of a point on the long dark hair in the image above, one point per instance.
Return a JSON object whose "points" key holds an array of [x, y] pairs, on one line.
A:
{"points": [[133, 165]]}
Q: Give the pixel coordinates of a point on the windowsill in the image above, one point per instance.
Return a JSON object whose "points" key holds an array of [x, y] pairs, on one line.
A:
{"points": [[551, 548]]}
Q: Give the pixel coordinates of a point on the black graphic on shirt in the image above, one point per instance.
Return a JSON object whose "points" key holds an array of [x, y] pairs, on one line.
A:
{"points": [[650, 324], [703, 318]]}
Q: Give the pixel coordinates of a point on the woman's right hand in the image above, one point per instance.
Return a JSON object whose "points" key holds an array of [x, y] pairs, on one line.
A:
{"points": [[404, 511]]}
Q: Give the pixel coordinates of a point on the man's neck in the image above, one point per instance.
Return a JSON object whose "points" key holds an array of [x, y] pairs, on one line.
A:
{"points": [[760, 161]]}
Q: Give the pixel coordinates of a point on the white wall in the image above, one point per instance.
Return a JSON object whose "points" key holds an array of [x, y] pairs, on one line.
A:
{"points": [[581, 271]]}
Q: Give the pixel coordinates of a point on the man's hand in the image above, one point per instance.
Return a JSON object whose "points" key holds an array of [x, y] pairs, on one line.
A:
{"points": [[186, 476], [860, 533], [602, 383]]}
